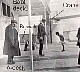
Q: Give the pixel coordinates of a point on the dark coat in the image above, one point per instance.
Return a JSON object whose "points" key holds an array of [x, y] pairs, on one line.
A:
{"points": [[78, 36], [41, 32], [11, 44]]}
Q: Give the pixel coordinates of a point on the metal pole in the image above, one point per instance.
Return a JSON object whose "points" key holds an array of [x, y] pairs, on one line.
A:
{"points": [[30, 33], [45, 27], [50, 29]]}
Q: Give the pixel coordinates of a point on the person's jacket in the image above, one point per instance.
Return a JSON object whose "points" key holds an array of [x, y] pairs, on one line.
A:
{"points": [[41, 31]]}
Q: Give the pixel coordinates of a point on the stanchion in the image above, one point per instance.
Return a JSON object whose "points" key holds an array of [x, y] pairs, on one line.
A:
{"points": [[50, 28], [45, 27], [30, 34]]}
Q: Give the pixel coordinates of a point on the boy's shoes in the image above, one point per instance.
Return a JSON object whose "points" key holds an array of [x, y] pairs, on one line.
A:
{"points": [[62, 50], [25, 50]]}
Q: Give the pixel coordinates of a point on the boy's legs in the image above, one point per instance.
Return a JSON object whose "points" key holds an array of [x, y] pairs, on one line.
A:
{"points": [[63, 47]]}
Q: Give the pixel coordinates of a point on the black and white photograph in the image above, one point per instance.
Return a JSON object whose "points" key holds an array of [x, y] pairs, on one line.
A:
{"points": [[39, 35]]}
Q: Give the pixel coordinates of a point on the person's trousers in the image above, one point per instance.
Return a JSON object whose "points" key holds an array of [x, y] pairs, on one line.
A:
{"points": [[79, 57], [40, 48], [10, 58]]}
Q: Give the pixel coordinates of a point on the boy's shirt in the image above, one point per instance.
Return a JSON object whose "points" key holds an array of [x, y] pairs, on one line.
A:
{"points": [[61, 37]]}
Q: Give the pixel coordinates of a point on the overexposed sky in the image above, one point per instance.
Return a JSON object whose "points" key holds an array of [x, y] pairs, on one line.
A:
{"points": [[57, 5]]}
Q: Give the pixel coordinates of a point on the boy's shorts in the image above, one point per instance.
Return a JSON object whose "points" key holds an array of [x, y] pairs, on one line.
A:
{"points": [[62, 42]]}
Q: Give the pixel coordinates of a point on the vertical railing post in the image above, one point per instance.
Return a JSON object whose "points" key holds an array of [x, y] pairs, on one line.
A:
{"points": [[45, 27], [30, 33]]}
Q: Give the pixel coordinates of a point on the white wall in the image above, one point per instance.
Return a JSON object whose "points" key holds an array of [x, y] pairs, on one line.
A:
{"points": [[70, 25]]}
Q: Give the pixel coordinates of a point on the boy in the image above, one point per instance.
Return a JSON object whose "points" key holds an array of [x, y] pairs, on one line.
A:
{"points": [[61, 39], [26, 45]]}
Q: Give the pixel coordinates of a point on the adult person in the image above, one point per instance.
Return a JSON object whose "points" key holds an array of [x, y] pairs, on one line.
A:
{"points": [[41, 34], [11, 44], [78, 44], [61, 39]]}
